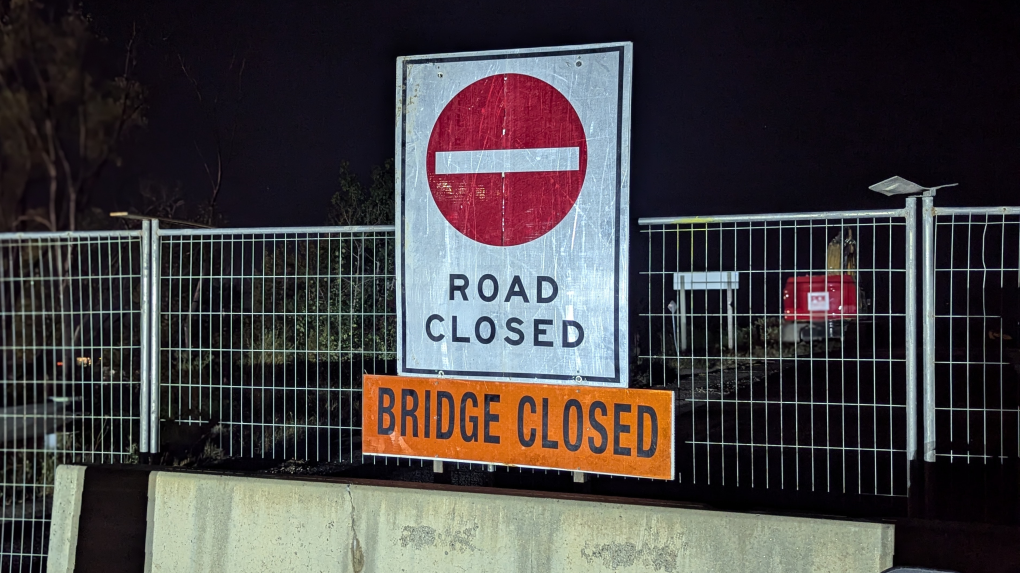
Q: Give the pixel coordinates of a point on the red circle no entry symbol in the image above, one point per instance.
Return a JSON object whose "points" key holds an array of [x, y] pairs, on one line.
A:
{"points": [[506, 159]]}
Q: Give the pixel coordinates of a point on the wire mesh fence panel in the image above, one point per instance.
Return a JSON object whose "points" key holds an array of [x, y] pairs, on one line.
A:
{"points": [[70, 335], [265, 335], [785, 338], [977, 329]]}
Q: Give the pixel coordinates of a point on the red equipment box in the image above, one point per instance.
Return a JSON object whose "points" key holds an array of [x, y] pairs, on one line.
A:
{"points": [[820, 297]]}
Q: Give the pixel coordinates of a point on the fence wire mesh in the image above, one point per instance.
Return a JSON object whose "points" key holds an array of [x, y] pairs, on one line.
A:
{"points": [[976, 361], [70, 335], [265, 335], [789, 341], [785, 339]]}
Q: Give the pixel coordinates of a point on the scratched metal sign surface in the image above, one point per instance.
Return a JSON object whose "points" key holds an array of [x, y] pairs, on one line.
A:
{"points": [[512, 210]]}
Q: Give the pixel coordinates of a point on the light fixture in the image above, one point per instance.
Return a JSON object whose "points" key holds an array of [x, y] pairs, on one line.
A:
{"points": [[126, 215], [897, 185]]}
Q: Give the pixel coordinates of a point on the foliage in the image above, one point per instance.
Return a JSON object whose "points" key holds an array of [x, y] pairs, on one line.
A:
{"points": [[327, 300], [248, 319], [353, 204], [161, 199], [61, 116]]}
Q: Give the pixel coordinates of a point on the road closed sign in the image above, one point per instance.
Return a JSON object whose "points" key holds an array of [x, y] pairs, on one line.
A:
{"points": [[512, 200]]}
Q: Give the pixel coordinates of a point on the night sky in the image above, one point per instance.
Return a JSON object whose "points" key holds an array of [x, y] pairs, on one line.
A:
{"points": [[738, 107]]}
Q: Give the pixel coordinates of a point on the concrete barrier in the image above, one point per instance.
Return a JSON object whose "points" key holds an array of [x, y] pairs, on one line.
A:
{"points": [[68, 484], [215, 523]]}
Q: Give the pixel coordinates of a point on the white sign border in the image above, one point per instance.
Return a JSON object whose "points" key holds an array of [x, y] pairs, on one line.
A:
{"points": [[622, 223]]}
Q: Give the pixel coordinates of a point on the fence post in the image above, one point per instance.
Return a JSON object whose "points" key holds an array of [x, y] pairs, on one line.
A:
{"points": [[910, 216], [683, 316], [144, 339], [154, 342], [928, 309]]}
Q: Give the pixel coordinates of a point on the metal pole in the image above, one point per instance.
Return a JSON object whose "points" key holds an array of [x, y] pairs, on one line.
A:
{"points": [[928, 342], [154, 342], [683, 315], [730, 318], [910, 219], [144, 337]]}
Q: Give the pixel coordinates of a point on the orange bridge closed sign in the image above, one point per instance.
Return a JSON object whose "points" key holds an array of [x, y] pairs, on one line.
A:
{"points": [[601, 430]]}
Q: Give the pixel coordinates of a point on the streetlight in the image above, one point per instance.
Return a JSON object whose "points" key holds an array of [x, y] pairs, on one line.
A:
{"points": [[897, 185], [900, 186], [126, 215]]}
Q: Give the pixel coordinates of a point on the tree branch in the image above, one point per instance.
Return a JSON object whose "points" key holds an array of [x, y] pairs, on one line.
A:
{"points": [[127, 113], [214, 184], [219, 176], [51, 170], [49, 153], [129, 56], [188, 75], [72, 189], [35, 218]]}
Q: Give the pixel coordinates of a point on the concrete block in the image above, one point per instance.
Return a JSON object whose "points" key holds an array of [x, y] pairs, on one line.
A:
{"points": [[214, 523], [443, 531], [226, 524], [67, 495]]}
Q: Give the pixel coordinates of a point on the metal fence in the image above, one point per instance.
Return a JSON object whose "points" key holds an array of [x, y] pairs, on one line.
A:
{"points": [[265, 334], [789, 341], [70, 332], [972, 361], [191, 344]]}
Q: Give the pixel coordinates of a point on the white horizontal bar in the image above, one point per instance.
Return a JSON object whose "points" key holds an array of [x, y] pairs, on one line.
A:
{"points": [[278, 230], [977, 211], [508, 160], [70, 235], [712, 280], [820, 215]]}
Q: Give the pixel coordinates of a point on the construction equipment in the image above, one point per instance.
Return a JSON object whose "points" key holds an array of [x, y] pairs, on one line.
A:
{"points": [[818, 307]]}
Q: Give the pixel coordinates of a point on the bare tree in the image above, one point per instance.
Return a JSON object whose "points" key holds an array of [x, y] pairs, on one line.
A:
{"points": [[215, 142], [219, 101]]}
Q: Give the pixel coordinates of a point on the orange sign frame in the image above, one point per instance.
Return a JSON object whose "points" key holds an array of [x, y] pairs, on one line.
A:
{"points": [[602, 430]]}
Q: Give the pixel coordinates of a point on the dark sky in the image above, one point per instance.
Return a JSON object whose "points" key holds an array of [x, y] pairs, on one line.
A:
{"points": [[738, 107]]}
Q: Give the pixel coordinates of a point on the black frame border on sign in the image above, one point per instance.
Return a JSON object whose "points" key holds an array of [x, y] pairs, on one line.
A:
{"points": [[619, 192]]}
